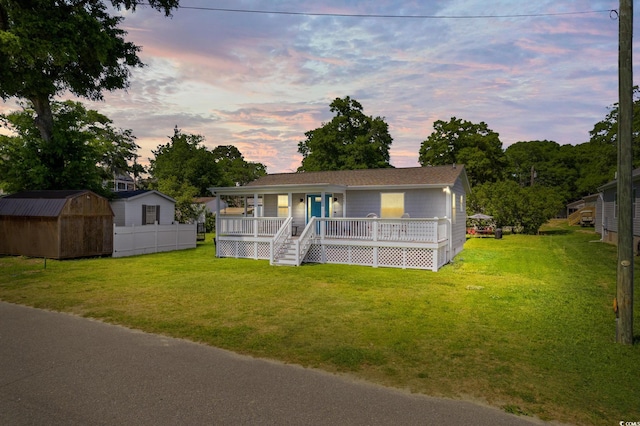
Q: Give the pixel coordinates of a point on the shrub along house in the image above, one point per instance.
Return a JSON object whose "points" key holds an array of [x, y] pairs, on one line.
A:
{"points": [[404, 217]]}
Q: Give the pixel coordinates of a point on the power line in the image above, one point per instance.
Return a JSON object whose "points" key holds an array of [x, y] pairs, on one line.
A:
{"points": [[367, 15]]}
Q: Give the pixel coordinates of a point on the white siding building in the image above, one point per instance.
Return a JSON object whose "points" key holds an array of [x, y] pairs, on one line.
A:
{"points": [[142, 207]]}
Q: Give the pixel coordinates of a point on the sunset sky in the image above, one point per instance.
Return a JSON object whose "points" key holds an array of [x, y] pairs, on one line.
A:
{"points": [[259, 81]]}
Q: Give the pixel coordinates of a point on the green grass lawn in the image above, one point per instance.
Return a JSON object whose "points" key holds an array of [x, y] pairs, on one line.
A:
{"points": [[524, 323]]}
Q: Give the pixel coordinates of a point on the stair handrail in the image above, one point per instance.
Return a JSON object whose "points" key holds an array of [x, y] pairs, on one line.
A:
{"points": [[303, 243], [280, 239]]}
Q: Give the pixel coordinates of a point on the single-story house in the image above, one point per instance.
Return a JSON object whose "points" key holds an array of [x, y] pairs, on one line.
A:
{"points": [[56, 224], [397, 217], [607, 211], [143, 207], [209, 205]]}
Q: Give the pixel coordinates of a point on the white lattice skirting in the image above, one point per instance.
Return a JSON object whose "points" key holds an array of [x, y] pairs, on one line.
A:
{"points": [[393, 257], [372, 255], [244, 249]]}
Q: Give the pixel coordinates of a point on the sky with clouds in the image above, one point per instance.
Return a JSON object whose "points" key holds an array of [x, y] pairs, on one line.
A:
{"points": [[259, 81]]}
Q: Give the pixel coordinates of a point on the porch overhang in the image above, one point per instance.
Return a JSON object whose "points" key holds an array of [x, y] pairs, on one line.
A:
{"points": [[278, 189]]}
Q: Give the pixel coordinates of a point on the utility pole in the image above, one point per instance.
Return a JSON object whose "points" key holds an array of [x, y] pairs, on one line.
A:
{"points": [[624, 291]]}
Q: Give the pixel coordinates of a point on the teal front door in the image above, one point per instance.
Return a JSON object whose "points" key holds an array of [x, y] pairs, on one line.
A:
{"points": [[314, 206]]}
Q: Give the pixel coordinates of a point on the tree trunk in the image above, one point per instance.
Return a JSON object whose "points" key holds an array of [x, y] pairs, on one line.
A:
{"points": [[44, 117]]}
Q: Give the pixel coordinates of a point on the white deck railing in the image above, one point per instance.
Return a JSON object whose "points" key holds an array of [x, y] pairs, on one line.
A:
{"points": [[369, 229], [250, 226], [306, 239], [280, 239]]}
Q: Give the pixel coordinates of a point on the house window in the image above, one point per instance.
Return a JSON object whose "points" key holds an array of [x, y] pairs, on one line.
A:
{"points": [[283, 205], [150, 214], [461, 206], [391, 204]]}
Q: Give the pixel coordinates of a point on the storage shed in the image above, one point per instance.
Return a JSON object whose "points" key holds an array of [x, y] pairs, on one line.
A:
{"points": [[56, 224]]}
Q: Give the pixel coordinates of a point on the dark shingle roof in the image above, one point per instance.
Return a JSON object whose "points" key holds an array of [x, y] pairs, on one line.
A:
{"points": [[129, 194], [436, 175], [36, 203]]}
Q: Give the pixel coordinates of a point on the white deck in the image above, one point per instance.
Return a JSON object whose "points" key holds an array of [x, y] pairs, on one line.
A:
{"points": [[401, 243]]}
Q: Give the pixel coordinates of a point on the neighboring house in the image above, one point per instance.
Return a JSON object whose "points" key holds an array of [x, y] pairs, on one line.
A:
{"points": [[56, 224], [607, 211], [579, 208], [123, 182], [209, 204], [396, 217], [142, 207]]}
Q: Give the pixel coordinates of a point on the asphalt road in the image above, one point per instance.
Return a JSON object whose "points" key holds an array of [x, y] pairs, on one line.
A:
{"points": [[60, 369]]}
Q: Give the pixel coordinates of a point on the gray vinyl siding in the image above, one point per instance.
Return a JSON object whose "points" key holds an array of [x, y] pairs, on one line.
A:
{"points": [[118, 208], [459, 225], [270, 205], [609, 221], [418, 203], [361, 203], [599, 217], [297, 207]]}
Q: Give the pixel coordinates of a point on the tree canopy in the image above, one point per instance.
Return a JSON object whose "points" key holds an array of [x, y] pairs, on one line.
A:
{"points": [[351, 140], [50, 47], [543, 163], [525, 208], [89, 151], [234, 168], [463, 142]]}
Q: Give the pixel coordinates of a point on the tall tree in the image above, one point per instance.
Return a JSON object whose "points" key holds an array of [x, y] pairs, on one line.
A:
{"points": [[351, 140], [234, 168], [597, 159], [49, 47], [544, 163], [185, 159], [90, 150], [183, 168], [459, 141]]}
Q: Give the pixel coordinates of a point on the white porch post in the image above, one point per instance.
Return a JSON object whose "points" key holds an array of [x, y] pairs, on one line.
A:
{"points": [[290, 205], [323, 207], [255, 215], [217, 221], [255, 205]]}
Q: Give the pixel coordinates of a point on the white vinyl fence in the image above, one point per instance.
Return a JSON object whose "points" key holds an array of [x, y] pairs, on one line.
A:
{"points": [[133, 240]]}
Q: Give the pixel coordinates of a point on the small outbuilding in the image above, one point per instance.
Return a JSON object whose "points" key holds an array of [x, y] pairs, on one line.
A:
{"points": [[143, 207], [56, 224]]}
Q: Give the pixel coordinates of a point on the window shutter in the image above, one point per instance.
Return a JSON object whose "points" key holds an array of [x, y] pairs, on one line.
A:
{"points": [[158, 214], [144, 214]]}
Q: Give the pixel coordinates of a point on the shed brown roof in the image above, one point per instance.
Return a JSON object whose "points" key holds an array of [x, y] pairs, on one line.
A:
{"points": [[36, 203], [432, 175]]}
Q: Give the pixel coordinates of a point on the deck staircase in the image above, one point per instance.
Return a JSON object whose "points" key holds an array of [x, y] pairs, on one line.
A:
{"points": [[288, 254], [574, 218]]}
